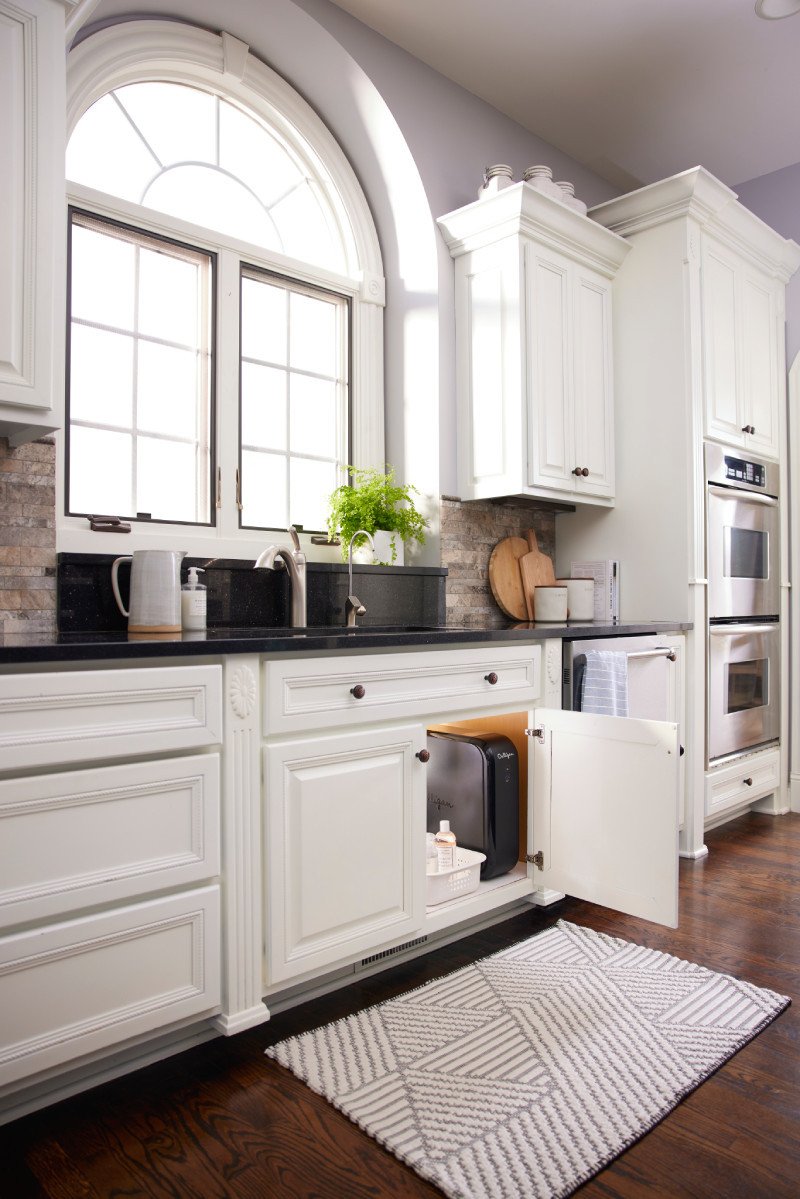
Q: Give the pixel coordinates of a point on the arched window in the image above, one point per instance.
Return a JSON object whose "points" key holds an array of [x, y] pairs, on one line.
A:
{"points": [[225, 293]]}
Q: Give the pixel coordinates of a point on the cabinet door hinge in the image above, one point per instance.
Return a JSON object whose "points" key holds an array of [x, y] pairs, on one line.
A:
{"points": [[536, 859], [537, 733]]}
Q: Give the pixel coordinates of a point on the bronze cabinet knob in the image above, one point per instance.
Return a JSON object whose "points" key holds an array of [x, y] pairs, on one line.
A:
{"points": [[358, 692], [424, 755], [585, 472], [747, 782], [577, 471], [491, 678]]}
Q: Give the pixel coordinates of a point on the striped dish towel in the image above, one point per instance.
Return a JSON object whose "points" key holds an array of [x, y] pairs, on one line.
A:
{"points": [[604, 685]]}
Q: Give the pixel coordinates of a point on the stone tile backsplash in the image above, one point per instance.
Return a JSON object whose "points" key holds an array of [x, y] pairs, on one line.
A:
{"points": [[27, 537], [469, 532]]}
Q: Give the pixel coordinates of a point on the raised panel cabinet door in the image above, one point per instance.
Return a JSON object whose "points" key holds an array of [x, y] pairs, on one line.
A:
{"points": [[593, 398], [761, 391], [549, 318], [605, 798], [81, 986], [32, 253], [721, 338], [344, 847]]}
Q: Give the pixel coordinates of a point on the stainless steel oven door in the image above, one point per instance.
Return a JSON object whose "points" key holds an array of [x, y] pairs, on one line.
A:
{"points": [[743, 546], [743, 687]]}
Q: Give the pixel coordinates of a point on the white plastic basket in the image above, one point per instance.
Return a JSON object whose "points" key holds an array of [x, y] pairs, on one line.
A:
{"points": [[459, 880]]}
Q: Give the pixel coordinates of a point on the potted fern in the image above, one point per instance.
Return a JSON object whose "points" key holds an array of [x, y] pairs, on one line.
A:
{"points": [[376, 502]]}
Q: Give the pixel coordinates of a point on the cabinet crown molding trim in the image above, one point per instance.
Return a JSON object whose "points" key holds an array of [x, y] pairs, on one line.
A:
{"points": [[716, 209], [522, 209]]}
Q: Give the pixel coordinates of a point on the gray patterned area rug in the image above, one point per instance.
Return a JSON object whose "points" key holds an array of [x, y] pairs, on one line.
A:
{"points": [[528, 1071]]}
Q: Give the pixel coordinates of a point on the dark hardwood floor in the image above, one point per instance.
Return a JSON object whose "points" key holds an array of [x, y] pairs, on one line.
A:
{"points": [[222, 1120]]}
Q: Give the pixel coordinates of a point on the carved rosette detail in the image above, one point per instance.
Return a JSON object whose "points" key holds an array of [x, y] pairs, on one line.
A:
{"points": [[552, 665], [242, 691]]}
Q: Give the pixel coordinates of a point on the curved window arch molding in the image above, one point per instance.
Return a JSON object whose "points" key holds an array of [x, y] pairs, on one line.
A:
{"points": [[139, 51]]}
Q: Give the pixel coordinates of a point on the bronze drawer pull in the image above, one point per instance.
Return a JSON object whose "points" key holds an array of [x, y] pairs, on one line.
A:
{"points": [[747, 782], [358, 692], [424, 755], [491, 678]]}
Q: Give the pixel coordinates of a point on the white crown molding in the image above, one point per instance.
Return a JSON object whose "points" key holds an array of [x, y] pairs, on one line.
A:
{"points": [[698, 195], [521, 209]]}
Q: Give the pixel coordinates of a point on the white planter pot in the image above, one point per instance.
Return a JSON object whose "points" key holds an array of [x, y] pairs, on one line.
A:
{"points": [[383, 549]]}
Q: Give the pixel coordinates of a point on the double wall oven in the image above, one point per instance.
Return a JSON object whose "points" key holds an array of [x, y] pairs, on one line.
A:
{"points": [[742, 546]]}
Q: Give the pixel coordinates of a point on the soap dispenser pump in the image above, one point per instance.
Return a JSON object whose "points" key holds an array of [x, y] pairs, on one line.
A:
{"points": [[193, 601]]}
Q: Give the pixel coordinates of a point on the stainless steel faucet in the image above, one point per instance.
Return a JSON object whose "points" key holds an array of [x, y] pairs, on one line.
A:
{"points": [[295, 562], [353, 605]]}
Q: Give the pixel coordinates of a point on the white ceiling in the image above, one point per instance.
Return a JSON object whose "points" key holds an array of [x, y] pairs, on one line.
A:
{"points": [[634, 89]]}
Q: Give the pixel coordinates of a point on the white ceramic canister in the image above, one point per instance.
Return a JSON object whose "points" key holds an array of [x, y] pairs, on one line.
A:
{"points": [[550, 604], [580, 598], [495, 179], [541, 178], [569, 198]]}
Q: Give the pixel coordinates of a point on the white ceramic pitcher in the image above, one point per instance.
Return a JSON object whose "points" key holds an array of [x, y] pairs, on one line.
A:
{"points": [[155, 594]]}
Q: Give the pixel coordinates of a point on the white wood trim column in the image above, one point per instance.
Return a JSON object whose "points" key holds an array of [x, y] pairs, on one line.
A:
{"points": [[792, 518], [242, 882]]}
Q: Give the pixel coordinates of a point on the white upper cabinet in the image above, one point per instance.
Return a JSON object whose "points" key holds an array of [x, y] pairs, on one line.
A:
{"points": [[741, 363], [534, 349], [32, 232]]}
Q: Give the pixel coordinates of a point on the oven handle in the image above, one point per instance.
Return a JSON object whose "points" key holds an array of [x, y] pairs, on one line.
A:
{"points": [[724, 630], [735, 493]]}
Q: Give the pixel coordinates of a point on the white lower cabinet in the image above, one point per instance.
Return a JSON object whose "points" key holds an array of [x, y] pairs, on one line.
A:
{"points": [[77, 987], [344, 846], [345, 818], [109, 863]]}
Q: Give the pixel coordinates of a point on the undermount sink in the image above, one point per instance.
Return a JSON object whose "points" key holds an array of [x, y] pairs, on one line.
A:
{"points": [[325, 630]]}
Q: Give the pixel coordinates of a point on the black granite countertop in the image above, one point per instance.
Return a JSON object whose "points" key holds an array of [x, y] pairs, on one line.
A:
{"points": [[120, 646]]}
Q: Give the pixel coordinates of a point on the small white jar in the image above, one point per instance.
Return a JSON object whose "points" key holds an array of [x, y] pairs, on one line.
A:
{"points": [[569, 198], [541, 178], [550, 604], [495, 179]]}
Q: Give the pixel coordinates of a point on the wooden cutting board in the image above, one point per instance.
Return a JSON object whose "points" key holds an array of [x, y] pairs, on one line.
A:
{"points": [[536, 570], [505, 579]]}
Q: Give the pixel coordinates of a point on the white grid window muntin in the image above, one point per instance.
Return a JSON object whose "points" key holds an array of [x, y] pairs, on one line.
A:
{"points": [[141, 370], [218, 65], [293, 400], [189, 153]]}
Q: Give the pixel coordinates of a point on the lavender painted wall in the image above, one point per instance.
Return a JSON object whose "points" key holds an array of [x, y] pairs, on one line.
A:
{"points": [[776, 199]]}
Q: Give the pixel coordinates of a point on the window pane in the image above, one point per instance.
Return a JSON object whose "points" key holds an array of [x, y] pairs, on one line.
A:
{"points": [[253, 155], [177, 122], [167, 390], [100, 472], [169, 298], [304, 230], [311, 483], [98, 256], [264, 490], [142, 385], [106, 152], [313, 335], [166, 480], [206, 197], [264, 321], [313, 419], [101, 377], [263, 407]]}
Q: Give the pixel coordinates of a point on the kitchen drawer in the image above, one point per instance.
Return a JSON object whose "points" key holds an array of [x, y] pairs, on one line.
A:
{"points": [[305, 694], [84, 716], [82, 986], [742, 781], [88, 837]]}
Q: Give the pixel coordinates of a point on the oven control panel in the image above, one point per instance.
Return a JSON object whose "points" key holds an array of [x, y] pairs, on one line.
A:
{"points": [[726, 468], [738, 470]]}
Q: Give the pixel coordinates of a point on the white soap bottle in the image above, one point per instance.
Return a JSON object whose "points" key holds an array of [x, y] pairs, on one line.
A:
{"points": [[445, 843], [193, 601]]}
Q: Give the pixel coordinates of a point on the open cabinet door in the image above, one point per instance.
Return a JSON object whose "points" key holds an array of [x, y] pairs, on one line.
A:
{"points": [[605, 811]]}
